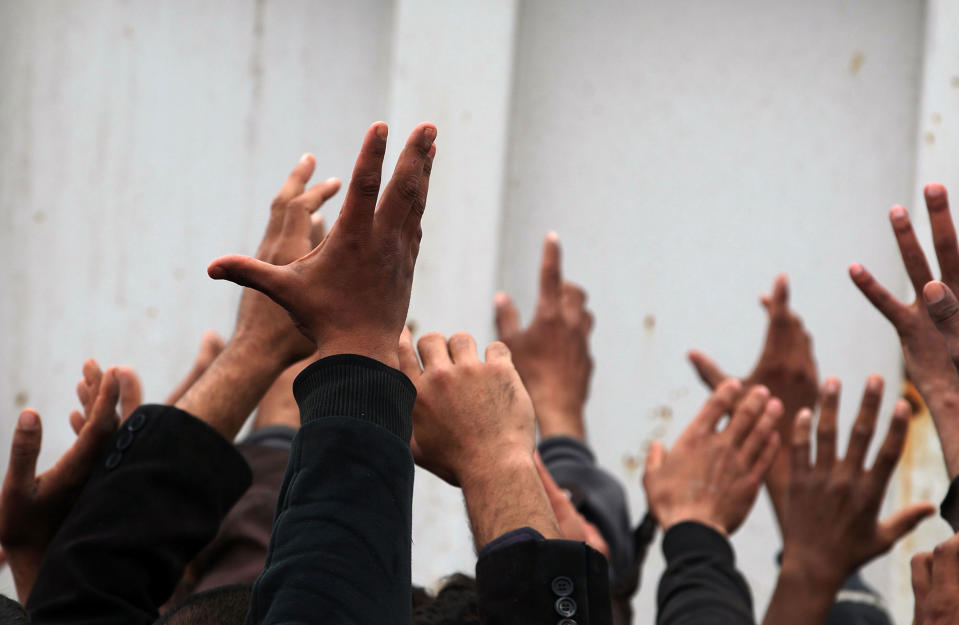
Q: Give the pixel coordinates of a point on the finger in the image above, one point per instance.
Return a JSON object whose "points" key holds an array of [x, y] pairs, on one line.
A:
{"points": [[296, 181], [412, 228], [890, 307], [766, 458], [562, 506], [945, 560], [92, 375], [317, 195], [921, 565], [101, 425], [892, 446], [250, 272], [865, 425], [718, 405], [572, 302], [27, 436], [76, 421], [903, 522], [433, 350], [778, 301], [104, 416], [405, 193], [943, 308], [131, 391], [497, 351], [799, 449], [83, 394], [826, 431], [507, 317], [409, 364], [747, 413], [912, 255], [588, 321], [943, 231], [317, 229], [211, 344], [655, 457], [550, 276], [462, 348], [708, 371], [356, 216], [758, 438], [594, 538]]}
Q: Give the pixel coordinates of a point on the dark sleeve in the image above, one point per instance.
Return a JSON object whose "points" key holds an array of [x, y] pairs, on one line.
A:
{"points": [[601, 499], [857, 603], [340, 547], [156, 499], [950, 505], [701, 583], [521, 578]]}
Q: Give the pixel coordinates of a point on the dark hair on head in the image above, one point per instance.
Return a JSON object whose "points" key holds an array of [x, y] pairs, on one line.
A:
{"points": [[454, 604], [12, 613], [226, 605]]}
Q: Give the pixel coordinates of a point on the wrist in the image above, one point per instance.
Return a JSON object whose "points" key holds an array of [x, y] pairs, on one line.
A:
{"points": [[675, 517], [378, 348], [268, 353], [559, 421], [801, 566]]}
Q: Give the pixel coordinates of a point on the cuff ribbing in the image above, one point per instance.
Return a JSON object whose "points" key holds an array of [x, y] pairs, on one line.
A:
{"points": [[349, 385], [690, 536]]}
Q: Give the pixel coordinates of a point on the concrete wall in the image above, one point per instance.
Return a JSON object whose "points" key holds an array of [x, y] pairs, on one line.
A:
{"points": [[686, 152]]}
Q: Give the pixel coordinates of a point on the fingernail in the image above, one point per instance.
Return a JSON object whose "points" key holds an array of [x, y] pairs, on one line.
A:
{"points": [[552, 236], [28, 420], [874, 384], [832, 386], [430, 133], [382, 130], [333, 180], [934, 189], [500, 298], [306, 156], [217, 273], [897, 213], [933, 293], [855, 270]]}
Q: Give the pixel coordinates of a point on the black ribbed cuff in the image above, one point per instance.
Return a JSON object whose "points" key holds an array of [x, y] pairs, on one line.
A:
{"points": [[949, 509], [559, 448], [348, 385], [690, 536]]}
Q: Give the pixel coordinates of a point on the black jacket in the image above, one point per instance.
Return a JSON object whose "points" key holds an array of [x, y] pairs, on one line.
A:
{"points": [[156, 499]]}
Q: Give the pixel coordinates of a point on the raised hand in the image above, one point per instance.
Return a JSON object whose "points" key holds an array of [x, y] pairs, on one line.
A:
{"points": [[832, 526], [935, 584], [787, 367], [223, 388], [473, 426], [925, 350], [552, 353], [350, 294], [572, 524], [32, 506], [710, 476], [131, 392]]}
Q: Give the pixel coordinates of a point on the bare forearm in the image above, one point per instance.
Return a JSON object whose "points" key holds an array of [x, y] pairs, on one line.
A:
{"points": [[228, 391], [943, 405], [508, 495], [800, 598]]}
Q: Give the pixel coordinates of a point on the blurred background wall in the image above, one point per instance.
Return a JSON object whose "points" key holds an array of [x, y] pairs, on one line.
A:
{"points": [[686, 152]]}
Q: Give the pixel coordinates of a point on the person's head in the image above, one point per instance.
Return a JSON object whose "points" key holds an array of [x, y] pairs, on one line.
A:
{"points": [[226, 605], [454, 604]]}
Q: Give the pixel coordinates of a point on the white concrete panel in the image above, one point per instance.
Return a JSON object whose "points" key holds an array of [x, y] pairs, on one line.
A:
{"points": [[139, 141], [687, 152]]}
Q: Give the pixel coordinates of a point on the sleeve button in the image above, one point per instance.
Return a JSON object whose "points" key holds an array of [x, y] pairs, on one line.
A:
{"points": [[566, 621], [565, 606], [113, 460], [563, 586], [124, 439], [136, 421]]}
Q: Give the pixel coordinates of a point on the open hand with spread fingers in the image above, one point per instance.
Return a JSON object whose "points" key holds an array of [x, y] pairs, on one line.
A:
{"points": [[928, 353], [552, 353], [713, 476], [32, 506], [787, 367], [832, 526], [350, 294]]}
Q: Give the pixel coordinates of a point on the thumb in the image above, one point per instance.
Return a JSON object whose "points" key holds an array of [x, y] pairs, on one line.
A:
{"points": [[250, 272], [507, 317], [655, 457], [24, 450], [903, 522], [131, 391], [708, 371]]}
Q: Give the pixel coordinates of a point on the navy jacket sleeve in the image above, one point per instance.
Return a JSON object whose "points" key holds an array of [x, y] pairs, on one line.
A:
{"points": [[156, 499], [701, 583], [340, 547], [950, 505]]}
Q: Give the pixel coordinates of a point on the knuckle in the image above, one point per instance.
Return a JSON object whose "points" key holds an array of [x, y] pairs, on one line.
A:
{"points": [[367, 184]]}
